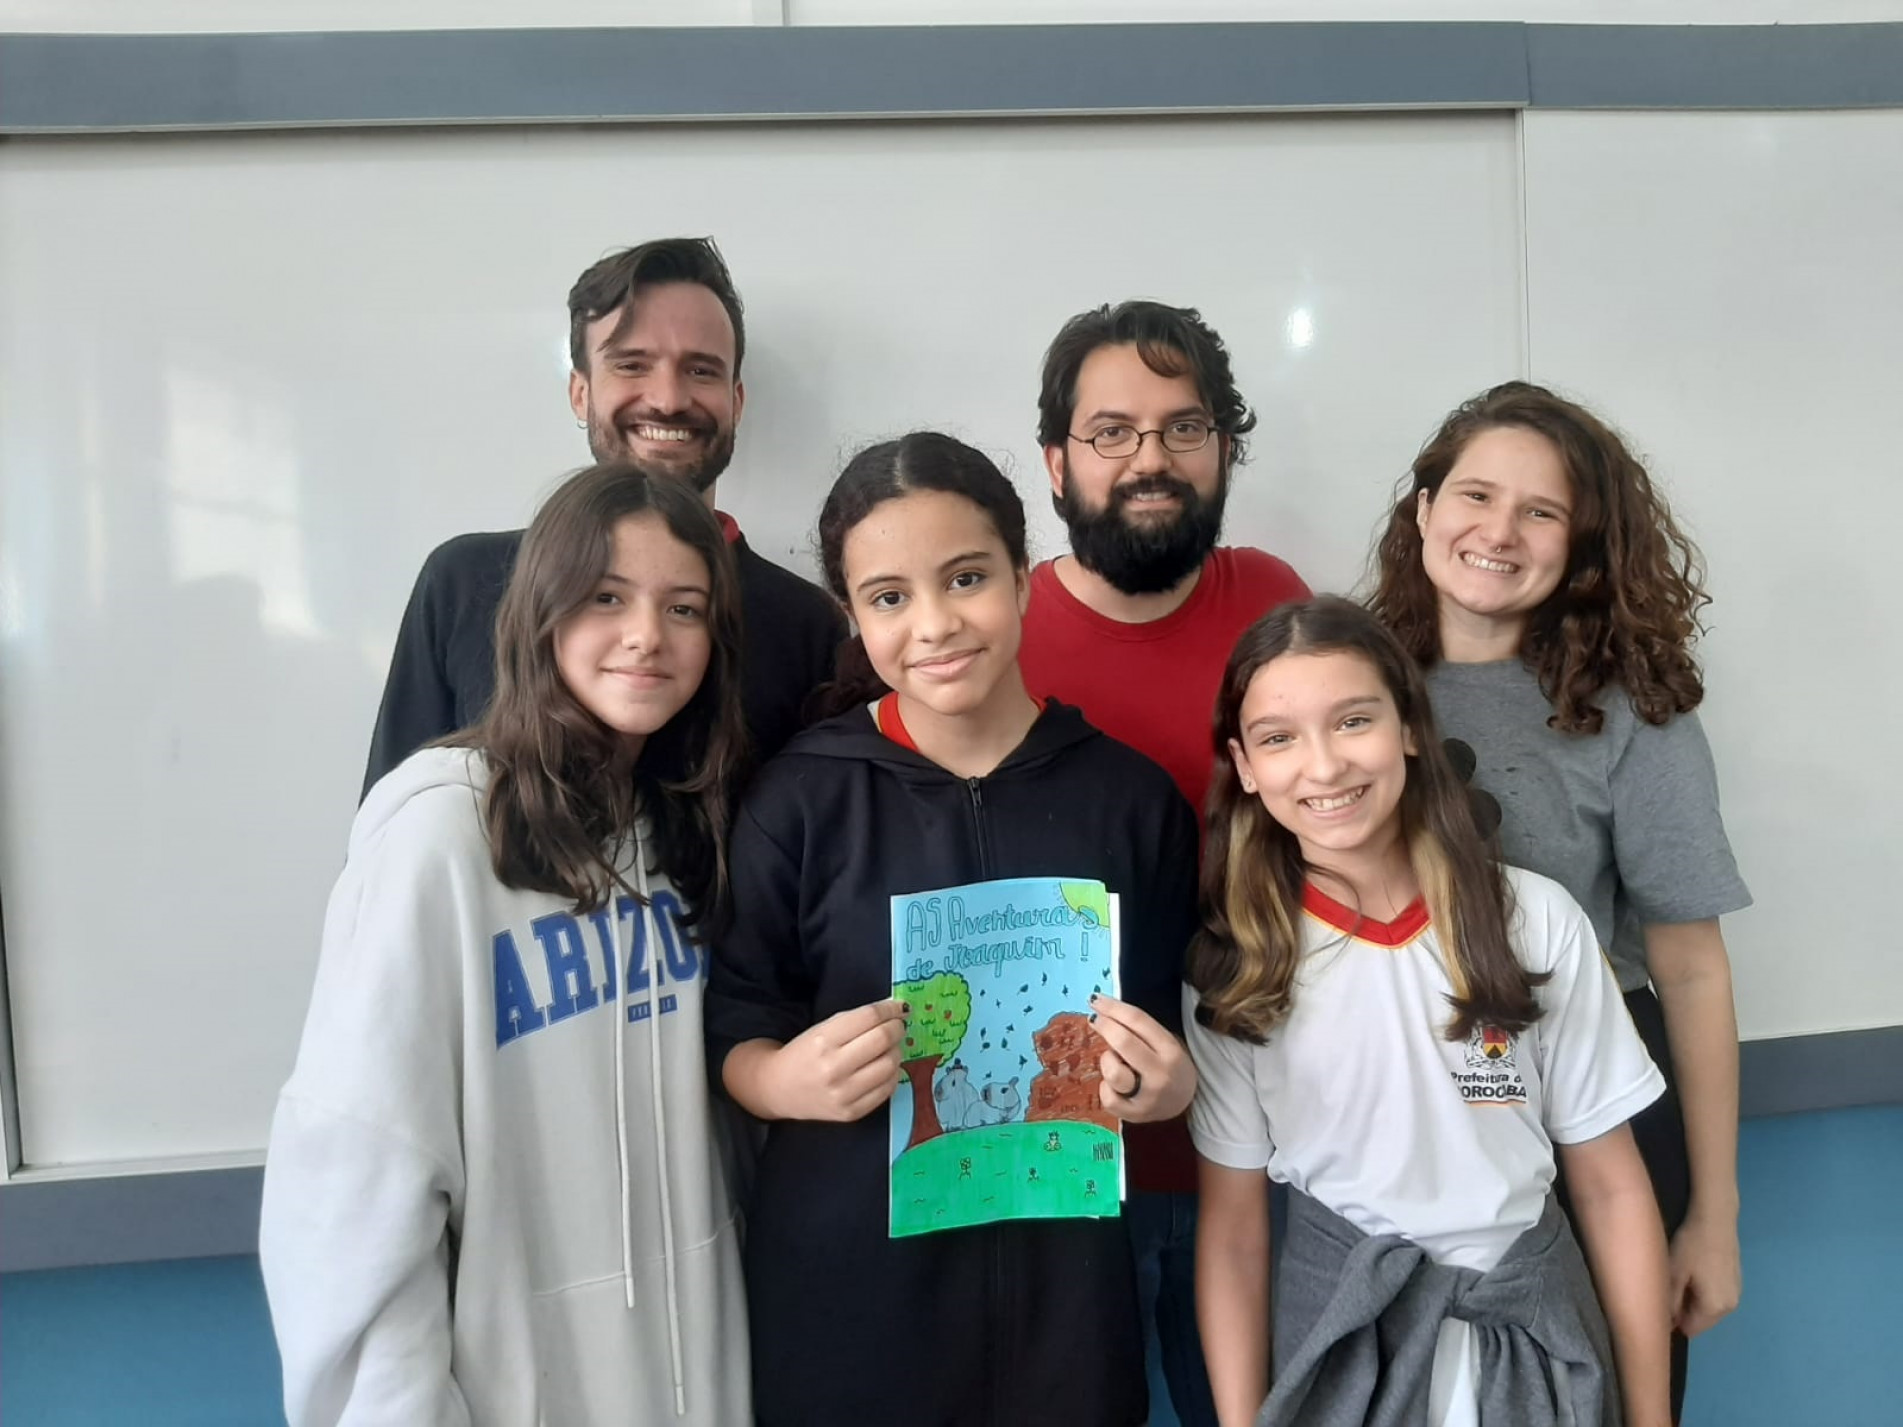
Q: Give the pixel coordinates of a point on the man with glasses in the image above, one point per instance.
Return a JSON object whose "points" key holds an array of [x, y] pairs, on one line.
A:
{"points": [[1142, 425]]}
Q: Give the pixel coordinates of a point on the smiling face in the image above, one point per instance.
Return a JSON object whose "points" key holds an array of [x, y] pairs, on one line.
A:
{"points": [[938, 602], [661, 393], [637, 648], [1146, 520], [1495, 540], [1324, 747]]}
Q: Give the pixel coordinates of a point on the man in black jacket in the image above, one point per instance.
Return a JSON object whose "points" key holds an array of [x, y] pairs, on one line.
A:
{"points": [[655, 337]]}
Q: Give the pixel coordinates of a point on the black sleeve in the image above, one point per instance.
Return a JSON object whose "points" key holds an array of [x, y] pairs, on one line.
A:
{"points": [[1160, 919], [757, 985], [418, 702], [793, 630], [831, 631]]}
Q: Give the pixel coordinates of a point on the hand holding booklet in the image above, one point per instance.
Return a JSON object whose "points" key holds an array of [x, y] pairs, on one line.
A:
{"points": [[1000, 1114]]}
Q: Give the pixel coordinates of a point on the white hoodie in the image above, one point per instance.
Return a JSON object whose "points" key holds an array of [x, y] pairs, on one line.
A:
{"points": [[463, 1221]]}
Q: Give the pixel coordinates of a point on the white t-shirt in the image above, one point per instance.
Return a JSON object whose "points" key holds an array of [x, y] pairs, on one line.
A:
{"points": [[1360, 1101]]}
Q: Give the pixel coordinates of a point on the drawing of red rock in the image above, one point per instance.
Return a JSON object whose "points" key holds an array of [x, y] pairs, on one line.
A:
{"points": [[1067, 1087]]}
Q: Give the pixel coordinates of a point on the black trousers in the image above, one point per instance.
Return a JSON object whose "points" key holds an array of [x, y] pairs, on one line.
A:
{"points": [[1659, 1130]]}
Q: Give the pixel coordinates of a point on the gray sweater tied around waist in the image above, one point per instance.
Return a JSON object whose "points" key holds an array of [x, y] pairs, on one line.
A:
{"points": [[1357, 1318]]}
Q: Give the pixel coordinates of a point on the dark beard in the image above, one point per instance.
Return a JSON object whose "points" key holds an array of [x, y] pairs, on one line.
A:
{"points": [[1144, 559], [607, 447]]}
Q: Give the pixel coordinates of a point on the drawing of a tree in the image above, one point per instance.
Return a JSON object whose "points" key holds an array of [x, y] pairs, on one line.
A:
{"points": [[941, 1010]]}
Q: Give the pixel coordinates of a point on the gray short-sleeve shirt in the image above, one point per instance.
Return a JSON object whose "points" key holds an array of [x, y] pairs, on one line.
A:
{"points": [[1625, 819]]}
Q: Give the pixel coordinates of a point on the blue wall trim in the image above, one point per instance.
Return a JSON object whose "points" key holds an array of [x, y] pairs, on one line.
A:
{"points": [[1830, 1072], [118, 83], [1688, 67], [129, 1218], [206, 1213]]}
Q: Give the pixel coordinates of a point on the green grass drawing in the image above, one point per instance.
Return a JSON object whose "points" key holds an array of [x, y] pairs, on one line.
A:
{"points": [[1038, 1169]]}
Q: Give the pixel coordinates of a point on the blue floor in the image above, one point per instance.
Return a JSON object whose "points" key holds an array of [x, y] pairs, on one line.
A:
{"points": [[1818, 1337], [183, 1344], [1818, 1341]]}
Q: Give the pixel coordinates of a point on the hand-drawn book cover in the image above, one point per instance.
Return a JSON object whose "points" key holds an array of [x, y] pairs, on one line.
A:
{"points": [[999, 1115]]}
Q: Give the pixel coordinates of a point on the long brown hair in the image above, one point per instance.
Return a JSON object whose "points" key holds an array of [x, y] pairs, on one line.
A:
{"points": [[1243, 961], [560, 801], [1626, 609]]}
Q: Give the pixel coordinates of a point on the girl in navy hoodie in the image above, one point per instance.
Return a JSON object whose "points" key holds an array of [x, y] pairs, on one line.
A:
{"points": [[941, 770]]}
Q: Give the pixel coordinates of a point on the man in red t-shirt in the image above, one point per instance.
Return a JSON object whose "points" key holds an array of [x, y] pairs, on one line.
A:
{"points": [[1141, 426]]}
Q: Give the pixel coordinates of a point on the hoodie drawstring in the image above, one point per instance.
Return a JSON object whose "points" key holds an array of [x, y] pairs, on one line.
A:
{"points": [[652, 940], [621, 1100]]}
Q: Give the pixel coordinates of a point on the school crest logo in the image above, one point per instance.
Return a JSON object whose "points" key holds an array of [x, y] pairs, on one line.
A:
{"points": [[1489, 1045], [1492, 1076]]}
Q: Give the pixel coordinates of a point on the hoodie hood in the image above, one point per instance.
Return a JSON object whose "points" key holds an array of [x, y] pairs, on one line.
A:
{"points": [[853, 736], [422, 772]]}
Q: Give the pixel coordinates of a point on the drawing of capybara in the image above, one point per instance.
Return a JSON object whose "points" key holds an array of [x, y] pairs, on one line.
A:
{"points": [[996, 1103], [954, 1097], [1069, 1045], [1068, 1086]]}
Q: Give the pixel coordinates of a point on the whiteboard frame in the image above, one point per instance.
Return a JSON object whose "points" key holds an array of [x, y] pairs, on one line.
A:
{"points": [[9, 1084], [57, 84]]}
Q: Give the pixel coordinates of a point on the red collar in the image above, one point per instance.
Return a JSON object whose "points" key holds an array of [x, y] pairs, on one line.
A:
{"points": [[1403, 929], [729, 527], [886, 716], [891, 725]]}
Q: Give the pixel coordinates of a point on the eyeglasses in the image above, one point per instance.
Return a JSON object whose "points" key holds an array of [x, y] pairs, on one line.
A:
{"points": [[1190, 433]]}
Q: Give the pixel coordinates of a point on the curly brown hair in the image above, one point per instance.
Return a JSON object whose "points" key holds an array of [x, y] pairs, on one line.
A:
{"points": [[1625, 611]]}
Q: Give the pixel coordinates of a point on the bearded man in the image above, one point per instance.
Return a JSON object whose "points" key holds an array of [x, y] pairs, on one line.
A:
{"points": [[656, 335], [1142, 426]]}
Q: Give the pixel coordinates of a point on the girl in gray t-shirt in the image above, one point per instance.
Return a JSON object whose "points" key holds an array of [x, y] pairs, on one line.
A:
{"points": [[1531, 566]]}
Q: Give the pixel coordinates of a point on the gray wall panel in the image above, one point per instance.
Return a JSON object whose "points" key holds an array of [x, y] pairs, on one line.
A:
{"points": [[1735, 67], [117, 82], [76, 83], [207, 1213]]}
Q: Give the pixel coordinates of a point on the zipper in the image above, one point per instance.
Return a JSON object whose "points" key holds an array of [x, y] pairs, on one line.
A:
{"points": [[997, 1288], [997, 1346], [975, 787]]}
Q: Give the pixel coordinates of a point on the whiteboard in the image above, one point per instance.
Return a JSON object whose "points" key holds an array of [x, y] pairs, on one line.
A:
{"points": [[1727, 288], [247, 382]]}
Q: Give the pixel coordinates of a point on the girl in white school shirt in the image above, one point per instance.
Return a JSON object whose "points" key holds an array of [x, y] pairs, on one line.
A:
{"points": [[1534, 570], [492, 1193], [1408, 1035]]}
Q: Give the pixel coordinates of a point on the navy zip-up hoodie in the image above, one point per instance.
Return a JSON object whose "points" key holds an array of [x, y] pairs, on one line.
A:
{"points": [[1016, 1324]]}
